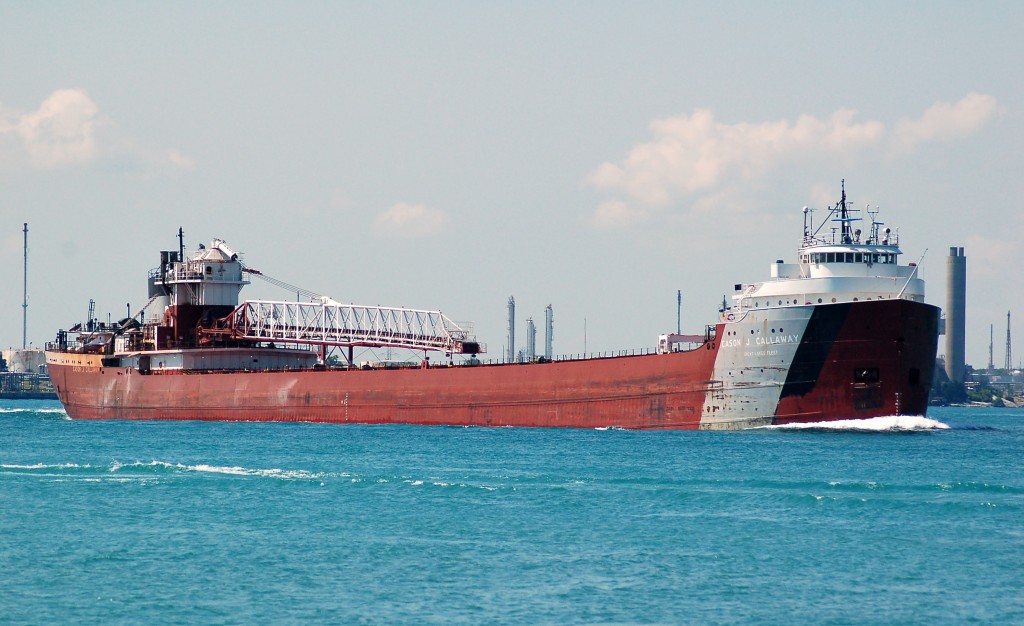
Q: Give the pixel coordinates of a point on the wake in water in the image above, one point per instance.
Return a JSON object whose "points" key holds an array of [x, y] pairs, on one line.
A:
{"points": [[47, 411], [151, 469], [890, 423], [158, 466]]}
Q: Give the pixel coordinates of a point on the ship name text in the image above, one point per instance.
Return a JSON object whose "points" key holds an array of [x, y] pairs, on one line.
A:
{"points": [[760, 341]]}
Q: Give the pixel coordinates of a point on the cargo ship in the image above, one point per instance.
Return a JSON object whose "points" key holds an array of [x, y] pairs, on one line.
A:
{"points": [[841, 333]]}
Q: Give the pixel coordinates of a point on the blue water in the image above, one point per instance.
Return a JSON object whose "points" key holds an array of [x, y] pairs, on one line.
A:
{"points": [[187, 522]]}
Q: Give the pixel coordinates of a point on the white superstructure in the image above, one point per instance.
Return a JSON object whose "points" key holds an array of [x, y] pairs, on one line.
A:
{"points": [[843, 266]]}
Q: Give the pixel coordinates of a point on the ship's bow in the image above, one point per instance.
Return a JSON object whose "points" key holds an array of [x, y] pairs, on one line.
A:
{"points": [[860, 360]]}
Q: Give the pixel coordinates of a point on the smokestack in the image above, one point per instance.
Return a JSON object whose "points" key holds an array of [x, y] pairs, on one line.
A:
{"points": [[549, 331], [991, 363], [24, 302], [531, 339], [1009, 357], [679, 312], [511, 329], [956, 303]]}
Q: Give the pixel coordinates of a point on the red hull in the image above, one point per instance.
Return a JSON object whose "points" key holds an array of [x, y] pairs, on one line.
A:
{"points": [[897, 339], [655, 391]]}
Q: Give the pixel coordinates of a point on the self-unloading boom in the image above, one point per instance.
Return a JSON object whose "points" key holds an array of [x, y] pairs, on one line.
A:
{"points": [[330, 323]]}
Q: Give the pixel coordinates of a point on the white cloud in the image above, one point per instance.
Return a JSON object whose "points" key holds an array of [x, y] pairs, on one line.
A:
{"points": [[180, 161], [410, 221], [944, 121], [616, 214], [991, 255], [67, 130], [693, 153], [61, 131], [697, 160]]}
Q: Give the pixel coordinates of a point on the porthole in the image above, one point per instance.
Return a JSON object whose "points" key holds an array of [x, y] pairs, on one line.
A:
{"points": [[833, 299], [819, 300]]}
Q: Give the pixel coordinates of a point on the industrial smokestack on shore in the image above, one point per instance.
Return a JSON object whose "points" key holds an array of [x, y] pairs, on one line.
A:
{"points": [[956, 304], [531, 339], [1009, 357], [549, 331], [511, 329], [24, 302]]}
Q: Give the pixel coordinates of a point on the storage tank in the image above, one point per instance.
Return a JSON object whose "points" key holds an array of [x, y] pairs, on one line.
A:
{"points": [[24, 361]]}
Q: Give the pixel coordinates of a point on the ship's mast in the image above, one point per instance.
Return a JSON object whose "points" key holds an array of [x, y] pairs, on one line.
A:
{"points": [[839, 213], [842, 212]]}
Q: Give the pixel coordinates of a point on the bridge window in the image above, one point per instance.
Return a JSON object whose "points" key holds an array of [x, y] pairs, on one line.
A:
{"points": [[858, 258], [865, 375], [830, 257]]}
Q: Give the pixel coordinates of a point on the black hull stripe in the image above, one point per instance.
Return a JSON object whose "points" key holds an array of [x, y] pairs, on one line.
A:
{"points": [[815, 346]]}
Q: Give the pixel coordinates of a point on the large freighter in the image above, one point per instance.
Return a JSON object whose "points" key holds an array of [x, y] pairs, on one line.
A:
{"points": [[843, 333]]}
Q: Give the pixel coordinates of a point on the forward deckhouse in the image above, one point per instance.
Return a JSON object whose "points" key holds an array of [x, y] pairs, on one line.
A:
{"points": [[847, 266]]}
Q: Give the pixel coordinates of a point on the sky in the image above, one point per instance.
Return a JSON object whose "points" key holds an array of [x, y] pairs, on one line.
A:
{"points": [[595, 156]]}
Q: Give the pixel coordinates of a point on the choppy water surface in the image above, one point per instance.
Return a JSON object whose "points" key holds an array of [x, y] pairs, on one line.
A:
{"points": [[896, 521]]}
